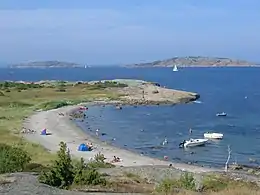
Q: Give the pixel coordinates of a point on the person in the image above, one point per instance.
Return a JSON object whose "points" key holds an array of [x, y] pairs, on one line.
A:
{"points": [[90, 146], [165, 141], [115, 159], [190, 131]]}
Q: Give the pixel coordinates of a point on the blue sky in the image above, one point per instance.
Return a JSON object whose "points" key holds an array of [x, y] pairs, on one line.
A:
{"points": [[120, 32]]}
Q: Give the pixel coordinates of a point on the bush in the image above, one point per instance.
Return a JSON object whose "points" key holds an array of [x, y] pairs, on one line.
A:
{"points": [[12, 159], [99, 162], [63, 174], [186, 181], [84, 175], [166, 186], [54, 105]]}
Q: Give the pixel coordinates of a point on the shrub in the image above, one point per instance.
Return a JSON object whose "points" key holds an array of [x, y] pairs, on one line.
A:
{"points": [[12, 159], [166, 186], [99, 162], [186, 181], [61, 173], [84, 175]]}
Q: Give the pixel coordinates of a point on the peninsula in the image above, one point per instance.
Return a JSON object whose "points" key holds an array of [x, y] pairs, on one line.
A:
{"points": [[196, 61], [46, 64]]}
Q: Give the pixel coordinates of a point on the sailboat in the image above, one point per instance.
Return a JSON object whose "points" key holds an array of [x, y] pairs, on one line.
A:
{"points": [[85, 66], [175, 69]]}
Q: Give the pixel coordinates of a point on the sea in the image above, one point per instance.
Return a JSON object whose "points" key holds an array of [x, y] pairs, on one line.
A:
{"points": [[142, 129]]}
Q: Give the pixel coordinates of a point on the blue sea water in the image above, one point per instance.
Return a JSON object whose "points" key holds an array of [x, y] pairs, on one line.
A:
{"points": [[143, 129]]}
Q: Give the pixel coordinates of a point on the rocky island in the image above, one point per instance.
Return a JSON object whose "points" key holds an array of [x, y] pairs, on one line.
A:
{"points": [[196, 61], [46, 64]]}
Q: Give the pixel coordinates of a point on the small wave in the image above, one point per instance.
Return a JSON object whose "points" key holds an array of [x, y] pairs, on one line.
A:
{"points": [[149, 147], [197, 102]]}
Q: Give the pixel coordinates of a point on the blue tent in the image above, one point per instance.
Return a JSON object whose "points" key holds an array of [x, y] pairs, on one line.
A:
{"points": [[83, 147], [44, 132]]}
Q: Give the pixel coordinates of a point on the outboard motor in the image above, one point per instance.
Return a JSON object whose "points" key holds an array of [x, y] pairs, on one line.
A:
{"points": [[181, 145]]}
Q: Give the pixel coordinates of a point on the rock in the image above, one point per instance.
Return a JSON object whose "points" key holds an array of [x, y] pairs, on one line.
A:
{"points": [[250, 171], [236, 167]]}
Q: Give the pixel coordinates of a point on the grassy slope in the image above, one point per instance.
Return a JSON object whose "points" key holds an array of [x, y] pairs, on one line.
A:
{"points": [[17, 104]]}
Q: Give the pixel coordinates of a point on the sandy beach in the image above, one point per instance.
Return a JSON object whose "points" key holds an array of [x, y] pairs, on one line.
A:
{"points": [[64, 129]]}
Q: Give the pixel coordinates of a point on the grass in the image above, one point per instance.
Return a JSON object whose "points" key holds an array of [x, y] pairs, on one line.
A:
{"points": [[218, 183], [18, 101], [211, 185]]}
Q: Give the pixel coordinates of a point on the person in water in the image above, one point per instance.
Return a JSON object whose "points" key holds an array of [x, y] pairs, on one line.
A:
{"points": [[190, 131]]}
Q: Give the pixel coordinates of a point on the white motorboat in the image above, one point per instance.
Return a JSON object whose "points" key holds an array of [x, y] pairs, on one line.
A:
{"points": [[221, 114], [210, 135], [193, 142]]}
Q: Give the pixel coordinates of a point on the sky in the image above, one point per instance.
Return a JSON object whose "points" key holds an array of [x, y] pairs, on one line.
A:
{"points": [[103, 32]]}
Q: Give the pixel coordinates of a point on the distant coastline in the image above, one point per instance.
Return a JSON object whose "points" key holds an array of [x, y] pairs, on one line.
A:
{"points": [[46, 64], [197, 61], [189, 61]]}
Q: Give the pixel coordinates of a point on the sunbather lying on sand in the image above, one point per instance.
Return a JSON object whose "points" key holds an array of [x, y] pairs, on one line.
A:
{"points": [[116, 159]]}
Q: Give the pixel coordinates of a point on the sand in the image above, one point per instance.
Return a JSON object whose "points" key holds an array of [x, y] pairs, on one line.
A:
{"points": [[64, 129]]}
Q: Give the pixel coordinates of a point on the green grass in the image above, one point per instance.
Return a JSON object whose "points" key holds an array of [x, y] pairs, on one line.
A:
{"points": [[18, 101], [216, 183]]}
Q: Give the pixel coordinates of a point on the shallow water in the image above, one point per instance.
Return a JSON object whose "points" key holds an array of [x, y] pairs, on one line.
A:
{"points": [[144, 128]]}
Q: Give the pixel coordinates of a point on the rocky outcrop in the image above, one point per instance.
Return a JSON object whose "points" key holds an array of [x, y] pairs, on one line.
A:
{"points": [[153, 93]]}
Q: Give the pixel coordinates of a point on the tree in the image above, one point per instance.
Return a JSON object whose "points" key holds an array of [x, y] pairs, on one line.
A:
{"points": [[61, 174]]}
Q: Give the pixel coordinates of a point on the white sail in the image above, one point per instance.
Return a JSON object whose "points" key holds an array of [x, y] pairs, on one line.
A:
{"points": [[175, 69]]}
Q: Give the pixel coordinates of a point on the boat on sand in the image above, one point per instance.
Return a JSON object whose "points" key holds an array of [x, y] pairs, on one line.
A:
{"points": [[193, 142], [211, 135]]}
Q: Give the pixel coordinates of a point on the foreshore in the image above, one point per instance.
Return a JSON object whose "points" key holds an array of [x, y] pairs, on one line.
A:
{"points": [[61, 128]]}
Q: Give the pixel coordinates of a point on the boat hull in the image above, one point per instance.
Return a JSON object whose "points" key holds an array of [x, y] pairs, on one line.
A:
{"points": [[195, 142], [213, 135]]}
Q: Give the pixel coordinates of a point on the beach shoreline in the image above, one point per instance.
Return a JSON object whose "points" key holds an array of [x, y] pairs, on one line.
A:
{"points": [[62, 128]]}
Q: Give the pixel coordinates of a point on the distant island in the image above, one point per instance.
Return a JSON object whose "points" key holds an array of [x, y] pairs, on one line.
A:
{"points": [[195, 61], [46, 64]]}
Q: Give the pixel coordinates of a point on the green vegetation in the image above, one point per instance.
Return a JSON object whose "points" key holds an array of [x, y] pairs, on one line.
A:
{"points": [[210, 185], [217, 183], [99, 162], [186, 181], [63, 173], [12, 158]]}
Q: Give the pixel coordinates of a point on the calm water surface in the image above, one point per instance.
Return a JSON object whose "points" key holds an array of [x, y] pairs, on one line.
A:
{"points": [[142, 129]]}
